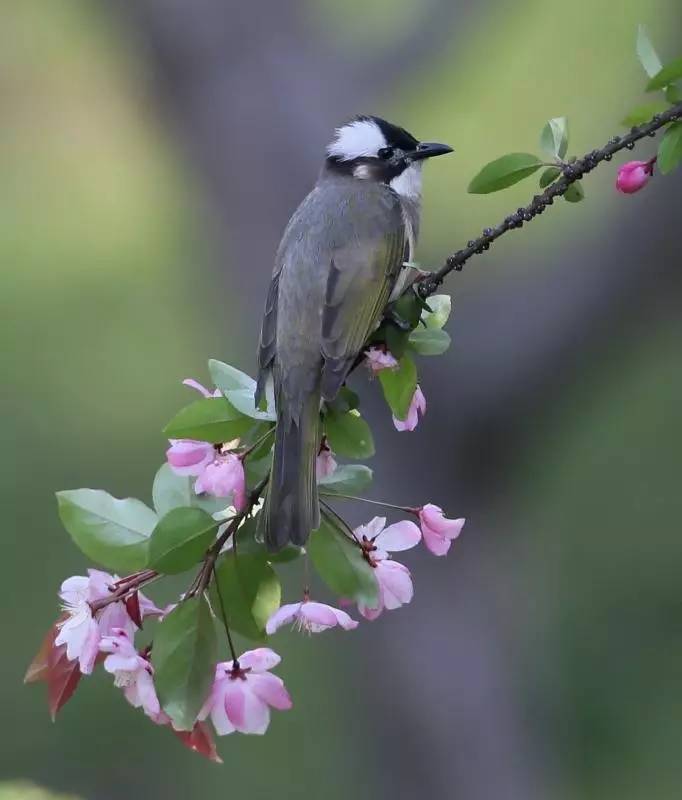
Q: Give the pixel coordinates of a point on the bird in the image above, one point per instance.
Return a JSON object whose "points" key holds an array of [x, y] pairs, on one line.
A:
{"points": [[340, 262]]}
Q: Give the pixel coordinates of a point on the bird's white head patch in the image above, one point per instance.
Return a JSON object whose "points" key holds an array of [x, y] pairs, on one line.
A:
{"points": [[359, 138]]}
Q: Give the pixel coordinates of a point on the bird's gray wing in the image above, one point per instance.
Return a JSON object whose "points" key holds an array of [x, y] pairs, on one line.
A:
{"points": [[361, 277], [268, 335]]}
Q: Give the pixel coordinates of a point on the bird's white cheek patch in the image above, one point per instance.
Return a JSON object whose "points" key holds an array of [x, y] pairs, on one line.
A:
{"points": [[357, 139], [409, 183]]}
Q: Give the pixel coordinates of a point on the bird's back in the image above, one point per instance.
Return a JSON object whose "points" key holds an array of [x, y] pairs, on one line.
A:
{"points": [[350, 226]]}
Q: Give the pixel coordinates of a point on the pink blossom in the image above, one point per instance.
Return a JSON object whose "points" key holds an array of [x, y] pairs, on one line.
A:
{"points": [[189, 457], [131, 672], [417, 408], [438, 531], [201, 388], [224, 477], [243, 693], [325, 464], [395, 588], [379, 358], [378, 541], [634, 175], [82, 630], [394, 582], [311, 617]]}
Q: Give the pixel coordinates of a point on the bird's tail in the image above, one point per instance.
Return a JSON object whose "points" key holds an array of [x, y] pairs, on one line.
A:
{"points": [[292, 508]]}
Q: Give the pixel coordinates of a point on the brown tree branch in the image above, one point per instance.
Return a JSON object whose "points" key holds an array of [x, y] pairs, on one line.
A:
{"points": [[572, 172]]}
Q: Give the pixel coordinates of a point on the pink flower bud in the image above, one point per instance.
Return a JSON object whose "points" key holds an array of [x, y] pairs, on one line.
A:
{"points": [[634, 176], [417, 409], [325, 464]]}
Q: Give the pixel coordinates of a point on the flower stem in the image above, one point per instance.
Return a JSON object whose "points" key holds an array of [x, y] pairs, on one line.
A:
{"points": [[406, 509], [258, 442], [233, 652]]}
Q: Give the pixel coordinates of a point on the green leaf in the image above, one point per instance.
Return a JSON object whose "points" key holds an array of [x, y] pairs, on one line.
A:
{"points": [[648, 57], [642, 114], [670, 148], [399, 384], [180, 540], [396, 339], [171, 490], [549, 176], [669, 74], [287, 554], [256, 469], [340, 563], [211, 419], [504, 172], [250, 591], [428, 342], [184, 658], [226, 377], [554, 137], [346, 479], [575, 193], [239, 388], [438, 311], [113, 533], [349, 435], [673, 93], [244, 400]]}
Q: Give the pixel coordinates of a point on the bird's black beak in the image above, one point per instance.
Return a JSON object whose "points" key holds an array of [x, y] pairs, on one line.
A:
{"points": [[429, 149]]}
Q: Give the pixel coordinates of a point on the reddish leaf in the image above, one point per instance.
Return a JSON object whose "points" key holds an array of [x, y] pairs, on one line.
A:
{"points": [[200, 740], [39, 668], [132, 604], [62, 679], [52, 666]]}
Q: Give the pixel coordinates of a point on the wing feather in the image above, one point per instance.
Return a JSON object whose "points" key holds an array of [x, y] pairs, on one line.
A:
{"points": [[361, 277]]}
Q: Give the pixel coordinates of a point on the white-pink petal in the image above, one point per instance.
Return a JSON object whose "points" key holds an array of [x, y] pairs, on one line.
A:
{"points": [[283, 615], [399, 536], [395, 582], [259, 660], [200, 388], [372, 529], [271, 690]]}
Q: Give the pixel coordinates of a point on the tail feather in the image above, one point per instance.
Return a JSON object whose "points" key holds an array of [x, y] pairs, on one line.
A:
{"points": [[292, 508]]}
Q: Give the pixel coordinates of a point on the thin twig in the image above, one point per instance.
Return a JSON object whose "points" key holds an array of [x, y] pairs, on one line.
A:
{"points": [[572, 172]]}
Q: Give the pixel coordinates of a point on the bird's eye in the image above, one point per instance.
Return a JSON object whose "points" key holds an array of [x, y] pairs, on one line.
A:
{"points": [[385, 153]]}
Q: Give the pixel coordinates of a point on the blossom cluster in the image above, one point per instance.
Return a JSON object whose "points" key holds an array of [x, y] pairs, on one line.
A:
{"points": [[208, 497], [103, 613]]}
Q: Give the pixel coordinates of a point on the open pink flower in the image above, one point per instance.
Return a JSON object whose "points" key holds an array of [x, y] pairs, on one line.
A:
{"points": [[243, 693], [189, 457], [395, 588], [311, 617], [438, 531], [82, 630], [378, 541], [131, 672], [417, 408], [394, 582], [224, 477], [634, 176], [378, 358], [325, 464]]}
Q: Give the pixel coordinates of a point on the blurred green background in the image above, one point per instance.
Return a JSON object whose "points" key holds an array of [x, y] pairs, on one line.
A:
{"points": [[150, 154]]}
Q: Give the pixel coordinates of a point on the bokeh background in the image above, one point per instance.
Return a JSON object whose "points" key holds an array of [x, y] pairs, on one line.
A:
{"points": [[150, 155]]}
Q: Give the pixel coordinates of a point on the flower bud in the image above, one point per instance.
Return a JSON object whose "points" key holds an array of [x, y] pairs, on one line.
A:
{"points": [[634, 175]]}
